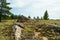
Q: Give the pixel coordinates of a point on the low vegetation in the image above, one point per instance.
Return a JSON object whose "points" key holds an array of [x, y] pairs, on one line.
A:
{"points": [[30, 26]]}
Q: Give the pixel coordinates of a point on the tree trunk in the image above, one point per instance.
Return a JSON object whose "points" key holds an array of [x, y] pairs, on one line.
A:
{"points": [[0, 16], [1, 11]]}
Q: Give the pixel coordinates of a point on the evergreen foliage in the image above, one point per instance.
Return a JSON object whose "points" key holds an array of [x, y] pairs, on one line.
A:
{"points": [[4, 10], [29, 17], [45, 17]]}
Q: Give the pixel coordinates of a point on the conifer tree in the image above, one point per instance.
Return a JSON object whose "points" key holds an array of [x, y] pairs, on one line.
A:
{"points": [[29, 17], [4, 9], [45, 17]]}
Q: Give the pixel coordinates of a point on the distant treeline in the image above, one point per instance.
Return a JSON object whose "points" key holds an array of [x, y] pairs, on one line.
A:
{"points": [[12, 16]]}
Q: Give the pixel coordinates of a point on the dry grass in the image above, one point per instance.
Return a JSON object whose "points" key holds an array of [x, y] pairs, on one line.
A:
{"points": [[29, 25], [5, 28]]}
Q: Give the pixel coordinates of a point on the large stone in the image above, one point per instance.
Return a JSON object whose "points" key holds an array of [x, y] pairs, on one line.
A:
{"points": [[22, 19]]}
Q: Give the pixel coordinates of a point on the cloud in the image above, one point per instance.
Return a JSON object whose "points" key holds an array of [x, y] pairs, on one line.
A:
{"points": [[36, 7], [19, 3]]}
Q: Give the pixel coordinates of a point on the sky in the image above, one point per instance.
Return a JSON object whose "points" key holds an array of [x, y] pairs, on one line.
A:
{"points": [[36, 8]]}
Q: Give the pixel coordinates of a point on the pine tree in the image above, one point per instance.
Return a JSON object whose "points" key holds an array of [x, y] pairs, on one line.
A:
{"points": [[4, 9], [29, 17], [45, 17], [37, 17]]}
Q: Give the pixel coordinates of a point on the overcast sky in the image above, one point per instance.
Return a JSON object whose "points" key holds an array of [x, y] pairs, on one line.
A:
{"points": [[36, 7]]}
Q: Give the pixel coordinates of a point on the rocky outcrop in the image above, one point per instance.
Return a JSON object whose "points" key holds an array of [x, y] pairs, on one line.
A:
{"points": [[22, 19], [55, 27], [17, 29], [40, 32]]}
